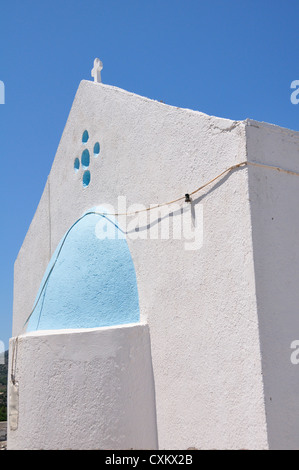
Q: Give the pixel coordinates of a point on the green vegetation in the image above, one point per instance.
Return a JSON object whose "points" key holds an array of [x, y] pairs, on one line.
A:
{"points": [[3, 388]]}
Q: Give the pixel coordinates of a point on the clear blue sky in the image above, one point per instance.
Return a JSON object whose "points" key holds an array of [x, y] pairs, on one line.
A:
{"points": [[229, 58]]}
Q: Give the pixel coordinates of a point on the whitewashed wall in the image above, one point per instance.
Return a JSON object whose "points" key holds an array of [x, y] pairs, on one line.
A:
{"points": [[275, 228], [85, 389], [200, 305]]}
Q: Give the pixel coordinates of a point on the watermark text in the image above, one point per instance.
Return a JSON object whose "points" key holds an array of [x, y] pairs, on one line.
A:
{"points": [[295, 94], [295, 354], [2, 351], [167, 222], [2, 93]]}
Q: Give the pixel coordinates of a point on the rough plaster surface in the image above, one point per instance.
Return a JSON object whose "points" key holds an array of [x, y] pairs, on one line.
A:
{"points": [[275, 228], [95, 391], [31, 263], [207, 309]]}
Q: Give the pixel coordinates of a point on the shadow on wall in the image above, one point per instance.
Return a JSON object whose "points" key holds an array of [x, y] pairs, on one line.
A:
{"points": [[275, 223], [90, 280]]}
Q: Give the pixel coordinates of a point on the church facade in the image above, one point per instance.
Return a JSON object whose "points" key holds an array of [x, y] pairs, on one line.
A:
{"points": [[156, 292]]}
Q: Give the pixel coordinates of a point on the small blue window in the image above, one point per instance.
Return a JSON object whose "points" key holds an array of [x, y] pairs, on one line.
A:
{"points": [[85, 137], [85, 159], [96, 149], [86, 178], [76, 164]]}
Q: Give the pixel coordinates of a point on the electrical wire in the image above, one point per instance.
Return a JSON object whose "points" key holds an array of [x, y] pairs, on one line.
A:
{"points": [[228, 170], [129, 214]]}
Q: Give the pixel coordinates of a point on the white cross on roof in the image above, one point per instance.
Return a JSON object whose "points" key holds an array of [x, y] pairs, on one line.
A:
{"points": [[96, 71]]}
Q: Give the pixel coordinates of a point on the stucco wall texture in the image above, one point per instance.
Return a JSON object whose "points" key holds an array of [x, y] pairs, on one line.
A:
{"points": [[94, 392], [220, 318]]}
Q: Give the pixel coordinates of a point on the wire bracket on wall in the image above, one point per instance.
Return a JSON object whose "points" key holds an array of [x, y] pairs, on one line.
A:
{"points": [[14, 387]]}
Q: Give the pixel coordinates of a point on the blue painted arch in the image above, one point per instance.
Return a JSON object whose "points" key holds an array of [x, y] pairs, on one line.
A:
{"points": [[90, 281]]}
